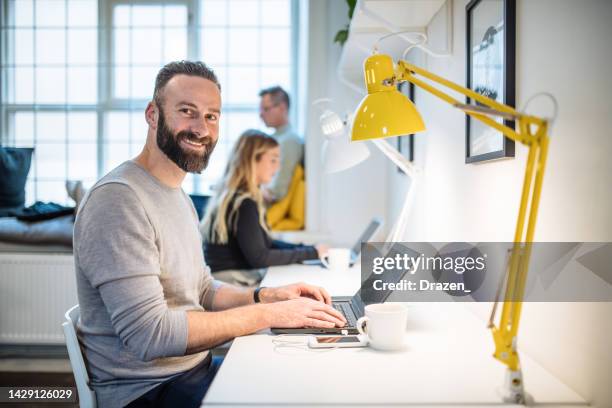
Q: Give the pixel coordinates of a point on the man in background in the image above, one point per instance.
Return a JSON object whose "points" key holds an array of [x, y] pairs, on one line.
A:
{"points": [[274, 111]]}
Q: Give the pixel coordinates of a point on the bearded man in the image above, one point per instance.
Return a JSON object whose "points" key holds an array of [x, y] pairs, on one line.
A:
{"points": [[149, 308]]}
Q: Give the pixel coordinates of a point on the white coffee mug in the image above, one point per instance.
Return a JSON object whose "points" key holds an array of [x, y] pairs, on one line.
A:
{"points": [[386, 325], [337, 258]]}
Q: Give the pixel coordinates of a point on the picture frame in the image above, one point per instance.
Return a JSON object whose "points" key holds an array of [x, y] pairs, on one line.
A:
{"points": [[490, 71], [405, 144]]}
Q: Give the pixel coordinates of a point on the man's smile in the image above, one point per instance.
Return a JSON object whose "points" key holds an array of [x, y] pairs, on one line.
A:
{"points": [[193, 145]]}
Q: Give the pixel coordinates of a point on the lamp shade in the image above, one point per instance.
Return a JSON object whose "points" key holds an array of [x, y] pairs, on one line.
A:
{"points": [[384, 111], [339, 154]]}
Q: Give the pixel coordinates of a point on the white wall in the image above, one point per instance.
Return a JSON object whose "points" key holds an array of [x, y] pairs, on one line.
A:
{"points": [[339, 204], [563, 47]]}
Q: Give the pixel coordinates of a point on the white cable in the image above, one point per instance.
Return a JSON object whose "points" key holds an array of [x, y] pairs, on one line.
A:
{"points": [[555, 103], [280, 343], [389, 26], [321, 100], [413, 44], [393, 34], [418, 43]]}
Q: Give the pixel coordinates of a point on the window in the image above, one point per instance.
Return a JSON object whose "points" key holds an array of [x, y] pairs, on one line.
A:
{"points": [[77, 74], [144, 35], [249, 44], [49, 84]]}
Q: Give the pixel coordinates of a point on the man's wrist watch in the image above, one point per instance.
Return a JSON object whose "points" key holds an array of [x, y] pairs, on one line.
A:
{"points": [[256, 294]]}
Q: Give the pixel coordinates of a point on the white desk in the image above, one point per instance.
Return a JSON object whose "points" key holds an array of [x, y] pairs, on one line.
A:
{"points": [[337, 283], [447, 363]]}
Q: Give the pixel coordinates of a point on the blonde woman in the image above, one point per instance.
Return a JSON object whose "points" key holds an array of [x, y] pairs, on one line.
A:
{"points": [[234, 228]]}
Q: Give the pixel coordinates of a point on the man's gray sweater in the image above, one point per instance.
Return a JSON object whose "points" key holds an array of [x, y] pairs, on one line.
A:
{"points": [[139, 268]]}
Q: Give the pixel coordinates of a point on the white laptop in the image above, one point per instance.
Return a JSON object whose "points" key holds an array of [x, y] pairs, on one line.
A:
{"points": [[369, 232]]}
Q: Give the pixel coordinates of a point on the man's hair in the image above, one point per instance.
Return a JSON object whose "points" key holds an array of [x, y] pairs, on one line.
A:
{"points": [[191, 68], [239, 183], [277, 94]]}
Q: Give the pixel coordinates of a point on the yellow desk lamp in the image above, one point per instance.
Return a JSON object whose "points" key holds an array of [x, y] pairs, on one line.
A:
{"points": [[385, 112]]}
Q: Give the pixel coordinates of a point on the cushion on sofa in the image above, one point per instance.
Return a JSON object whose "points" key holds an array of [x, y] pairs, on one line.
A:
{"points": [[14, 167], [57, 231]]}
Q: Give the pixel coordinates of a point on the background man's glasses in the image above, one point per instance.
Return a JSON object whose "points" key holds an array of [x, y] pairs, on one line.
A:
{"points": [[266, 109]]}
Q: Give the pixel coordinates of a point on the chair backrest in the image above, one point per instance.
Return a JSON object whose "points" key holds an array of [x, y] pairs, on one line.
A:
{"points": [[87, 397], [288, 214]]}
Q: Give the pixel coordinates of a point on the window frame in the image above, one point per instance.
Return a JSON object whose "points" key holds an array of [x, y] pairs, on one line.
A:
{"points": [[107, 64], [8, 109], [105, 103], [106, 79]]}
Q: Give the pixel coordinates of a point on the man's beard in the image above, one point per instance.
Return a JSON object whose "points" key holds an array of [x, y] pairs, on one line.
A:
{"points": [[169, 143]]}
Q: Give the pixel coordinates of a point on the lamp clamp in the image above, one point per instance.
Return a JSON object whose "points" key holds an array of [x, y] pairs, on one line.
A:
{"points": [[389, 81]]}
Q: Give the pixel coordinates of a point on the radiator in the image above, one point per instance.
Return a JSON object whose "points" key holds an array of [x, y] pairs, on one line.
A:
{"points": [[36, 289]]}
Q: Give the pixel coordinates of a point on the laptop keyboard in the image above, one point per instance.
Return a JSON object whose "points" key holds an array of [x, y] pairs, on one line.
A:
{"points": [[345, 309]]}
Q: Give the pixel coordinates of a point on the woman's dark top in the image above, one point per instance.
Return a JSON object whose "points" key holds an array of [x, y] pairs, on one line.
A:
{"points": [[251, 247]]}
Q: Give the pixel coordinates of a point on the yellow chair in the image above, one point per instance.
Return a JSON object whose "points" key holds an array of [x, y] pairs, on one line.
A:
{"points": [[288, 214]]}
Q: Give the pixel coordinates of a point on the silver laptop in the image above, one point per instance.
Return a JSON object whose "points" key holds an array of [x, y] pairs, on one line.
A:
{"points": [[369, 232]]}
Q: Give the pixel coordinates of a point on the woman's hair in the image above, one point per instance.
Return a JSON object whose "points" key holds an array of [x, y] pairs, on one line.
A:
{"points": [[239, 182]]}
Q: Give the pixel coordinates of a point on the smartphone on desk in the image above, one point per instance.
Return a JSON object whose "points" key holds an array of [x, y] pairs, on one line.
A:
{"points": [[337, 341]]}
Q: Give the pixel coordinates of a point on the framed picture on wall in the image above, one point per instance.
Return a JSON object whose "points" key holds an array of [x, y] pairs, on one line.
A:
{"points": [[491, 28], [405, 144]]}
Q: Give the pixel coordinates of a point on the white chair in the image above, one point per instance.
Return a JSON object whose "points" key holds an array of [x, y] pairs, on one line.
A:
{"points": [[87, 396]]}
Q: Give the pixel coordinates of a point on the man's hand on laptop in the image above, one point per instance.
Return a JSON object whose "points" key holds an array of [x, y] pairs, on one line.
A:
{"points": [[294, 291], [322, 250], [304, 312]]}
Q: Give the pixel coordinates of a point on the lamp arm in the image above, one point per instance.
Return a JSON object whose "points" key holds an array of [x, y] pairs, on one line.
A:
{"points": [[504, 335], [395, 156], [411, 171], [402, 221], [406, 72]]}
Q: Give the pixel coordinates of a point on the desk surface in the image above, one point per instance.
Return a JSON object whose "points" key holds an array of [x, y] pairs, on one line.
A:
{"points": [[447, 362], [337, 283]]}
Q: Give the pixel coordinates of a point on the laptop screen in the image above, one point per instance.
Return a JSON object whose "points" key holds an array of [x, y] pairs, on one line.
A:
{"points": [[365, 237], [367, 287]]}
